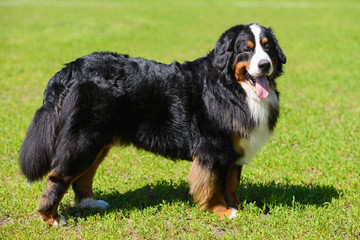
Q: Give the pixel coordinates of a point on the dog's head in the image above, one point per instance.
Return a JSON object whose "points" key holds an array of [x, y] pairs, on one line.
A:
{"points": [[252, 55]]}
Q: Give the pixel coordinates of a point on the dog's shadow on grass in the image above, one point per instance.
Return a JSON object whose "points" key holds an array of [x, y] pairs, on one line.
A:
{"points": [[263, 196], [272, 194]]}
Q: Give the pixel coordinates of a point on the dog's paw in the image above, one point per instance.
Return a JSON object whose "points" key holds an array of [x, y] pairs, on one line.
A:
{"points": [[233, 214], [102, 204], [93, 203], [60, 222]]}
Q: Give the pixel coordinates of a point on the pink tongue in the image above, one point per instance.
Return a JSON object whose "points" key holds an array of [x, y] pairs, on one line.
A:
{"points": [[262, 87]]}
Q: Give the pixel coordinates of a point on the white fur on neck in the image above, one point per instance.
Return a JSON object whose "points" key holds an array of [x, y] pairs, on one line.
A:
{"points": [[260, 112], [260, 108]]}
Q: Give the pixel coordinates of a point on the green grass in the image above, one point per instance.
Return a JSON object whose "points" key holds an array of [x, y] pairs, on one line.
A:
{"points": [[304, 184]]}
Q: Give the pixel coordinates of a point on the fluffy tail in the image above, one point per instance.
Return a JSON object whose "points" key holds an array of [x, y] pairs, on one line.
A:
{"points": [[37, 149], [38, 146]]}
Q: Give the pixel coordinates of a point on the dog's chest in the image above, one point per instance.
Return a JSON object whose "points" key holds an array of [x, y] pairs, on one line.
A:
{"points": [[259, 110], [248, 147]]}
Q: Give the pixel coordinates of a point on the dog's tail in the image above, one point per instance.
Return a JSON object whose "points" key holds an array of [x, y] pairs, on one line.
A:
{"points": [[37, 149]]}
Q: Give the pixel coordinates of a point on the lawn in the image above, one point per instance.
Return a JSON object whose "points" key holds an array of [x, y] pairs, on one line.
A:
{"points": [[304, 184]]}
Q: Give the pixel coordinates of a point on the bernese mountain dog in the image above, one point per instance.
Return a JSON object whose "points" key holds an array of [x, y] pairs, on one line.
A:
{"points": [[216, 111]]}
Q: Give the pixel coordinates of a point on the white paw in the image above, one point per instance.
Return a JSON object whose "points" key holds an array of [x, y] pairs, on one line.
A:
{"points": [[233, 214], [93, 203], [102, 204], [62, 221]]}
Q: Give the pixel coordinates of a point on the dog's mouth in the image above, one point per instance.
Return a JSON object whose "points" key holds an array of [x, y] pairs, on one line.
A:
{"points": [[250, 78], [261, 84]]}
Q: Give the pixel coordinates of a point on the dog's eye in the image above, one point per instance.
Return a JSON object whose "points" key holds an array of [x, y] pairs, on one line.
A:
{"points": [[267, 47], [247, 50]]}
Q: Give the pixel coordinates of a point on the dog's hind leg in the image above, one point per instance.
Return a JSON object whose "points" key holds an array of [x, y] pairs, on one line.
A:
{"points": [[84, 195], [76, 161], [60, 179], [85, 134], [56, 187]]}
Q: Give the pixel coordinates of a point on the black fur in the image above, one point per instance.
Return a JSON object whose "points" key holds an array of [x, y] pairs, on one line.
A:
{"points": [[177, 110]]}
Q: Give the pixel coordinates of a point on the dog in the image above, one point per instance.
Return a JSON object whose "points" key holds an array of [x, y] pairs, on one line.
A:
{"points": [[216, 111]]}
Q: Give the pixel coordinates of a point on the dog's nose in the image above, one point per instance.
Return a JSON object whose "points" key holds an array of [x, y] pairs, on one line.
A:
{"points": [[264, 65]]}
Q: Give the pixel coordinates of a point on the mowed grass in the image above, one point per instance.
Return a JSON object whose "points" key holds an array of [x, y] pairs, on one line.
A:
{"points": [[304, 184]]}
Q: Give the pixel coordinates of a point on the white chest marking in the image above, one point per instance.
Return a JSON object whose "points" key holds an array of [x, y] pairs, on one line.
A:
{"points": [[252, 144], [260, 110]]}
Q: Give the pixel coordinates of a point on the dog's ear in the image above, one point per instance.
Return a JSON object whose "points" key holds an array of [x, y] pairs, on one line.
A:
{"points": [[223, 51], [281, 55]]}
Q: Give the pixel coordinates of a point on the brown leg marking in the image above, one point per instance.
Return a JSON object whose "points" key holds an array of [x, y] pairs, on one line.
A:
{"points": [[83, 185], [202, 183], [218, 205], [206, 190], [232, 185], [56, 187]]}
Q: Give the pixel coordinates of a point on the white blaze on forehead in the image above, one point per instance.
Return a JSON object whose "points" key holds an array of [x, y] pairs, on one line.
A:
{"points": [[259, 54]]}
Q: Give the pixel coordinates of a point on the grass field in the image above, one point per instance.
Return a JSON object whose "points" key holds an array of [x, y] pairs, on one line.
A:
{"points": [[303, 185]]}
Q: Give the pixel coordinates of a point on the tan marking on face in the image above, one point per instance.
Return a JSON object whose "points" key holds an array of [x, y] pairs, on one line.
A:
{"points": [[264, 41], [240, 68], [250, 44]]}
